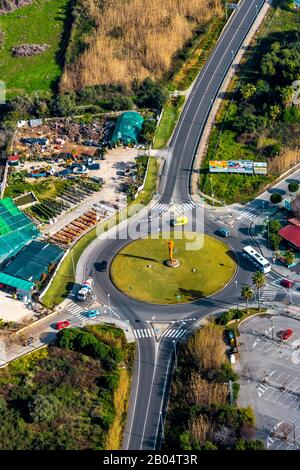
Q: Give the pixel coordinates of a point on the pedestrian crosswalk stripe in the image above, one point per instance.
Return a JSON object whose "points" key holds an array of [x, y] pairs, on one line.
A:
{"points": [[177, 334], [143, 333], [244, 213], [181, 334], [176, 208]]}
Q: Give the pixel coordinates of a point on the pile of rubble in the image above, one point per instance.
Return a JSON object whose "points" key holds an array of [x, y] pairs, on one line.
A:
{"points": [[79, 133], [26, 50], [11, 5]]}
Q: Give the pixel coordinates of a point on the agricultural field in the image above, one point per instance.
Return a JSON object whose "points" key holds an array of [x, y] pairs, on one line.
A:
{"points": [[42, 22], [69, 396], [258, 120]]}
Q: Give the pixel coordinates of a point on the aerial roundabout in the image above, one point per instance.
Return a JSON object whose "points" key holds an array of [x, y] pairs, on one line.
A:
{"points": [[164, 270]]}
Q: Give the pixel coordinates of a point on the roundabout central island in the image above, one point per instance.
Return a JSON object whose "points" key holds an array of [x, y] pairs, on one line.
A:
{"points": [[141, 270]]}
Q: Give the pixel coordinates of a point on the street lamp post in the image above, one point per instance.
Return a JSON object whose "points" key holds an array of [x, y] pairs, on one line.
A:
{"points": [[73, 262], [267, 220], [108, 298], [162, 427], [294, 431], [232, 57], [291, 295], [175, 353], [272, 329]]}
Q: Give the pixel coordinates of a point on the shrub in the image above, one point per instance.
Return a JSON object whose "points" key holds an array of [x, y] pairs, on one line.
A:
{"points": [[276, 198], [293, 187], [242, 444], [44, 408]]}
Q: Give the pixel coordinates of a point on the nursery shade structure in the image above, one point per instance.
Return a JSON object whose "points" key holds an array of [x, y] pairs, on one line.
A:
{"points": [[16, 229], [128, 128], [33, 261]]}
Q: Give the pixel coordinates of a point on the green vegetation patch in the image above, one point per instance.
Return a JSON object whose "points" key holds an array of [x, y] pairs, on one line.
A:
{"points": [[202, 413], [258, 120], [64, 397], [139, 269], [43, 22], [48, 188], [168, 121]]}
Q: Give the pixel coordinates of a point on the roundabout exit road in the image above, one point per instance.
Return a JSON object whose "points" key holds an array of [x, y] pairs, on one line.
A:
{"points": [[154, 359]]}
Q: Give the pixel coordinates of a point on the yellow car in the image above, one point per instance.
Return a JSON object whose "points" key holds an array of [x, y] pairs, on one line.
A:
{"points": [[179, 221]]}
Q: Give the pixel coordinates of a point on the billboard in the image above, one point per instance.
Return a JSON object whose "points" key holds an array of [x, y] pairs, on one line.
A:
{"points": [[218, 166], [260, 168], [244, 167], [240, 166]]}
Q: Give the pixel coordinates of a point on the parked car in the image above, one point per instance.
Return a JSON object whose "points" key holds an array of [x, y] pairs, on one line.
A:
{"points": [[285, 334], [92, 313], [224, 232], [62, 324], [287, 283]]}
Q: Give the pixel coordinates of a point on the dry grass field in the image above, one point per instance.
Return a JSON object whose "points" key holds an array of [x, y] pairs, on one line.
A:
{"points": [[133, 39]]}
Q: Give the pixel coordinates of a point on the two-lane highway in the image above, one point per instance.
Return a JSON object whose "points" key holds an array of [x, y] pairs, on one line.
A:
{"points": [[154, 360]]}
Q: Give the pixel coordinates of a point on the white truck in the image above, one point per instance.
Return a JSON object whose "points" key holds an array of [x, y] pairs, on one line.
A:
{"points": [[86, 289]]}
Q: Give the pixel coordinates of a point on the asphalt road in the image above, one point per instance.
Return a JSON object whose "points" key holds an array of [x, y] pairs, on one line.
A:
{"points": [[155, 360], [154, 364]]}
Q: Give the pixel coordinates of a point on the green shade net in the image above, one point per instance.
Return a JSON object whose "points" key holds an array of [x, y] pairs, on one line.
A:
{"points": [[15, 282], [33, 261], [128, 128], [16, 229]]}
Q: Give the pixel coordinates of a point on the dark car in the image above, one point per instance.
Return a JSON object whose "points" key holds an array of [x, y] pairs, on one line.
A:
{"points": [[101, 267]]}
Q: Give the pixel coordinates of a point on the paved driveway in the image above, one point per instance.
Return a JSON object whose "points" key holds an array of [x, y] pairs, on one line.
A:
{"points": [[269, 371]]}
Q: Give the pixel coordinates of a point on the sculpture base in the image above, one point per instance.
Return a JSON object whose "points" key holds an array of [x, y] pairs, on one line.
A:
{"points": [[173, 264]]}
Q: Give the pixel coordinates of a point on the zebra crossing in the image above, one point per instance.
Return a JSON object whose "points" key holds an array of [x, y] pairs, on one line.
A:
{"points": [[76, 311], [160, 208], [270, 291], [149, 333], [243, 213]]}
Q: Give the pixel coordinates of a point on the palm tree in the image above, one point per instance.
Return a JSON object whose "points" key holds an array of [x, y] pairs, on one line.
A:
{"points": [[247, 294], [258, 280], [289, 257]]}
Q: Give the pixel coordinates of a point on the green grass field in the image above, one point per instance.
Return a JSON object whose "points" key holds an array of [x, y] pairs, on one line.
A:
{"points": [[45, 21], [139, 271], [168, 121]]}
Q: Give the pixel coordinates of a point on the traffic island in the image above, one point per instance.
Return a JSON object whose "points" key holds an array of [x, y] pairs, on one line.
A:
{"points": [[140, 270]]}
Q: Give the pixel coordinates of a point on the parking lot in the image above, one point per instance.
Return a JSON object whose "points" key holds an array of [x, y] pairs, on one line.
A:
{"points": [[270, 378]]}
